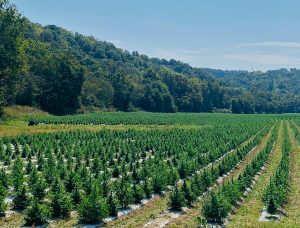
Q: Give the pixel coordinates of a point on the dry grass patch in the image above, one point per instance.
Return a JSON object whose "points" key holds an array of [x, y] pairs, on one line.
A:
{"points": [[17, 127], [140, 216], [20, 112], [12, 219]]}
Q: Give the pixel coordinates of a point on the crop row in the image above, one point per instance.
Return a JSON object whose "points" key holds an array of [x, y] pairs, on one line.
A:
{"points": [[296, 131], [219, 204], [186, 192], [145, 118], [199, 184], [110, 168], [276, 193]]}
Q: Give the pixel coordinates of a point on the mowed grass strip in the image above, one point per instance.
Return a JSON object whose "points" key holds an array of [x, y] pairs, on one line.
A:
{"points": [[248, 214], [17, 127], [16, 219], [139, 217], [293, 207], [189, 219]]}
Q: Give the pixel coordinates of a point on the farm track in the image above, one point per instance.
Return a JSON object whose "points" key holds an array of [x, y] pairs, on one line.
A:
{"points": [[250, 211], [158, 206], [189, 218], [293, 207]]}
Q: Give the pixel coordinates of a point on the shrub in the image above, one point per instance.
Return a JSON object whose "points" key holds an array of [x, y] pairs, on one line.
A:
{"points": [[21, 199], [177, 200], [216, 208], [36, 213], [112, 204], [3, 206], [92, 209], [138, 193], [61, 203]]}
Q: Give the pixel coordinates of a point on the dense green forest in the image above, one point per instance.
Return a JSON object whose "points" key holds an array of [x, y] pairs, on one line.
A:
{"points": [[280, 86], [64, 72]]}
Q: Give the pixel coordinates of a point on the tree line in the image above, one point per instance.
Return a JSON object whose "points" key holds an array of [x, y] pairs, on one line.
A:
{"points": [[63, 73], [274, 90]]}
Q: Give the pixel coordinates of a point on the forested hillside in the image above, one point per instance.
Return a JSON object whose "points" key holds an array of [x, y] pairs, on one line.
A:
{"points": [[112, 77], [282, 86], [64, 72]]}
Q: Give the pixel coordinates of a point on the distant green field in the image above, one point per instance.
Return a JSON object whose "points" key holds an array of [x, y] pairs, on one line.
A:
{"points": [[147, 118]]}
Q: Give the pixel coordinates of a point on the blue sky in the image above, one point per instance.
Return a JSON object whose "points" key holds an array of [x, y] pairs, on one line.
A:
{"points": [[223, 34]]}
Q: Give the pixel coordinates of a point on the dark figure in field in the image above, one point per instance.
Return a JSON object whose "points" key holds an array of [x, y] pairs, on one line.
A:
{"points": [[32, 123]]}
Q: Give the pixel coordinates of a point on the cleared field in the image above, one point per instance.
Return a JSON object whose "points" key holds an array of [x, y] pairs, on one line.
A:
{"points": [[92, 169]]}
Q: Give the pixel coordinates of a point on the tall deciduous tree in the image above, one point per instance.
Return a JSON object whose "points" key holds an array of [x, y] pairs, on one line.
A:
{"points": [[12, 46], [61, 82]]}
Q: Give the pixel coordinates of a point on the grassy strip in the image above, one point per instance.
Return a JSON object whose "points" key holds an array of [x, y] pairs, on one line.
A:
{"points": [[189, 219], [293, 207], [247, 215], [16, 219], [296, 130], [148, 213], [275, 196], [17, 127], [13, 220], [22, 112]]}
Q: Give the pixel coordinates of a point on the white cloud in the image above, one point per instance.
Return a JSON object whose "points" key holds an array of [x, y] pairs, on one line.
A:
{"points": [[271, 44], [258, 56], [265, 59]]}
